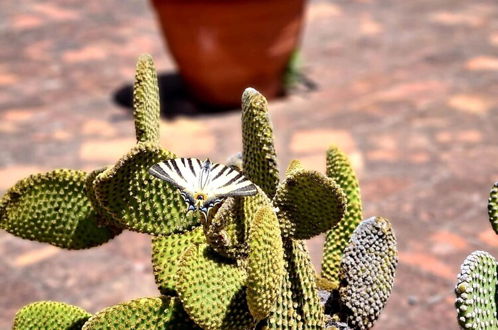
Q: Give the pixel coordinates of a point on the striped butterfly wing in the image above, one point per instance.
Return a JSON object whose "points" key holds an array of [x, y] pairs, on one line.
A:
{"points": [[183, 173], [226, 181]]}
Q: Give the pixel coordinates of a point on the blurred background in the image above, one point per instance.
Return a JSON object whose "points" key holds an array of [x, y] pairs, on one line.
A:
{"points": [[407, 88]]}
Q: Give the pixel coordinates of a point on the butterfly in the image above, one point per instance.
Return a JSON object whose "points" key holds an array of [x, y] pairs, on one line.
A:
{"points": [[203, 184]]}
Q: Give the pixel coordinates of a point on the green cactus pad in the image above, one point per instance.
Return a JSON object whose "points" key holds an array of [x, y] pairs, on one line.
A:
{"points": [[234, 217], [265, 267], [493, 207], [212, 290], [137, 200], [258, 157], [104, 217], [298, 305], [146, 101], [143, 313], [294, 165], [340, 170], [53, 208], [476, 292], [227, 230], [308, 203], [50, 315], [285, 315], [305, 283], [166, 253], [367, 272]]}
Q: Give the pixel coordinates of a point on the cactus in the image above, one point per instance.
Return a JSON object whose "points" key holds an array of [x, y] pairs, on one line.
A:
{"points": [[367, 272], [476, 292], [143, 314], [493, 207], [54, 208], [245, 266], [340, 170], [50, 315], [359, 258], [477, 284]]}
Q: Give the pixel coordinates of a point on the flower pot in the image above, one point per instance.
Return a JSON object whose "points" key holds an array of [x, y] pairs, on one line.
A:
{"points": [[223, 46]]}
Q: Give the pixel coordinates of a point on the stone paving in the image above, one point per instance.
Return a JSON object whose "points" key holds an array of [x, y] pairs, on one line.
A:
{"points": [[407, 88]]}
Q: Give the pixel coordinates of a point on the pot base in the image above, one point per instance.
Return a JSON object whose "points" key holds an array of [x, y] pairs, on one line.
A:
{"points": [[224, 46]]}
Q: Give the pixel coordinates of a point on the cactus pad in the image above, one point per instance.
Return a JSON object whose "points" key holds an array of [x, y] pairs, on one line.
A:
{"points": [[265, 266], [104, 217], [212, 290], [166, 253], [367, 274], [493, 207], [53, 208], [142, 313], [476, 292], [304, 277], [146, 101], [258, 157], [298, 305], [138, 201], [308, 203], [49, 315], [340, 170], [227, 230]]}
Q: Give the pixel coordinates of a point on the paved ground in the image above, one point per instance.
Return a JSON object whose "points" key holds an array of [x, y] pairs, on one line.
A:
{"points": [[407, 88]]}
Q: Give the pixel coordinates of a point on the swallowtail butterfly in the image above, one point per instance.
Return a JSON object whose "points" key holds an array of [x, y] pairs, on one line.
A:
{"points": [[203, 184]]}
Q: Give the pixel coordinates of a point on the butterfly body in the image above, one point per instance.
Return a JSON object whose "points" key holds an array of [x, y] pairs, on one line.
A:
{"points": [[203, 184]]}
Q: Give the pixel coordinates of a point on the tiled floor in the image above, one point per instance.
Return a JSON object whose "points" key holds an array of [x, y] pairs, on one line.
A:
{"points": [[408, 88]]}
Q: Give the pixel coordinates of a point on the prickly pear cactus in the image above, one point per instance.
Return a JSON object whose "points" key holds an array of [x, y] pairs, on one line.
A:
{"points": [[54, 208], [359, 259], [477, 284], [243, 267], [493, 207], [476, 292], [367, 272], [340, 170], [50, 315]]}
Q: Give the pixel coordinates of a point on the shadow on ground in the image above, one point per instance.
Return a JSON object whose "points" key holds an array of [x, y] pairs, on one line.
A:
{"points": [[175, 98]]}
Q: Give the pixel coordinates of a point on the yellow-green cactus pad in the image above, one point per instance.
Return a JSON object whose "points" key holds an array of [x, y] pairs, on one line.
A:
{"points": [[493, 207], [53, 208], [308, 203], [258, 157], [104, 217], [294, 165], [340, 170], [476, 292], [137, 200], [298, 305], [50, 315], [285, 315], [227, 230], [265, 265], [233, 220], [305, 284], [166, 254], [143, 313], [367, 272], [146, 101], [212, 290]]}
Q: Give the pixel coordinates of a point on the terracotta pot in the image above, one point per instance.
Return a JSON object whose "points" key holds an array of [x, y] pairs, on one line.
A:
{"points": [[223, 46]]}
